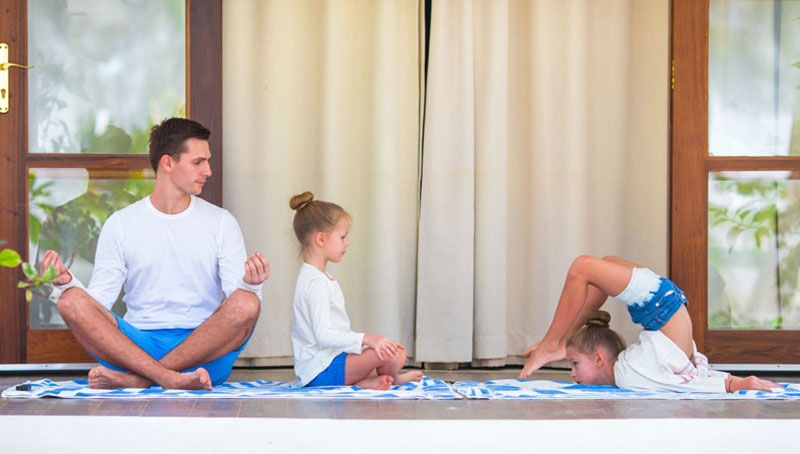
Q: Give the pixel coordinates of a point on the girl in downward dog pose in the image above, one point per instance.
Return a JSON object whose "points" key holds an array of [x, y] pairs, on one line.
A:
{"points": [[326, 351], [666, 357]]}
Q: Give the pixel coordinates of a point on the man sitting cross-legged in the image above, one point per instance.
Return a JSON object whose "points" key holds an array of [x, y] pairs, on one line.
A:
{"points": [[175, 254]]}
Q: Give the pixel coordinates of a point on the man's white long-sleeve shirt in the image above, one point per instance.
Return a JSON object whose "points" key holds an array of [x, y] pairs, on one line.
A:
{"points": [[320, 326], [174, 267]]}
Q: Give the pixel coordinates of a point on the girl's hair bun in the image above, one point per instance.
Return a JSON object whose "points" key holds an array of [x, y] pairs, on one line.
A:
{"points": [[596, 334], [299, 201], [598, 318], [312, 215]]}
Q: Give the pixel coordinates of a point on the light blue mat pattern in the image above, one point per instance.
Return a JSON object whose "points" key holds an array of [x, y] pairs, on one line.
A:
{"points": [[545, 389], [428, 388]]}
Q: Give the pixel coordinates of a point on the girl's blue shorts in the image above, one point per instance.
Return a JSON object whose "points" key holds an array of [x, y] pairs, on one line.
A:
{"points": [[333, 375], [660, 307]]}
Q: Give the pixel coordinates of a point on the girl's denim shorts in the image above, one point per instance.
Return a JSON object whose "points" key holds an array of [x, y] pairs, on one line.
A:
{"points": [[662, 305]]}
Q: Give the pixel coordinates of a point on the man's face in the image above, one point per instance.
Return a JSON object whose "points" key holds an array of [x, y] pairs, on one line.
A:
{"points": [[191, 168]]}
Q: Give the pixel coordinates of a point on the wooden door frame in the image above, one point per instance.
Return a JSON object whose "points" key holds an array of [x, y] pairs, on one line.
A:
{"points": [[689, 168], [204, 104]]}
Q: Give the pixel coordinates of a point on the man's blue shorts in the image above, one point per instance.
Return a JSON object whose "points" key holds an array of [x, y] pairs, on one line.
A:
{"points": [[159, 342], [333, 375]]}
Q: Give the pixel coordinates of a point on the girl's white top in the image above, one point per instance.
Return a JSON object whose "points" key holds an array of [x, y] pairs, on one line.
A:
{"points": [[320, 327], [657, 364]]}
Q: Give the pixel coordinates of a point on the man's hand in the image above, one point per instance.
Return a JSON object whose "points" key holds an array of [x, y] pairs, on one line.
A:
{"points": [[383, 346], [256, 270], [51, 258]]}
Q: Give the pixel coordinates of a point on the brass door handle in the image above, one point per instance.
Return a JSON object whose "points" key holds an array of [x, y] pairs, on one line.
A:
{"points": [[4, 67]]}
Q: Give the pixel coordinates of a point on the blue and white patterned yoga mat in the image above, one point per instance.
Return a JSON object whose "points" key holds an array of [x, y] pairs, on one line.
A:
{"points": [[545, 389], [428, 388]]}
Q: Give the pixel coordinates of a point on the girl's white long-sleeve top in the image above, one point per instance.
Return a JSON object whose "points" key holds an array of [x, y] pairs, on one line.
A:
{"points": [[320, 326], [657, 364]]}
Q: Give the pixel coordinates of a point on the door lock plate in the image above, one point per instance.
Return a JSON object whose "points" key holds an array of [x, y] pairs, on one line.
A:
{"points": [[4, 67]]}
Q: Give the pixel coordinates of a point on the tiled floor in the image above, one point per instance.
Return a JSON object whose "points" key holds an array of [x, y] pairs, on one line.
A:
{"points": [[403, 409]]}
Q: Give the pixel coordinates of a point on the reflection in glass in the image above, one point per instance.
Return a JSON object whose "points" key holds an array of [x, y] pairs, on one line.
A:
{"points": [[754, 78], [753, 250], [67, 209], [106, 71]]}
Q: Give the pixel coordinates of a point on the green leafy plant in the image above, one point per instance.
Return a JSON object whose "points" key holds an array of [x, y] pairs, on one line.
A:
{"points": [[766, 217], [9, 258]]}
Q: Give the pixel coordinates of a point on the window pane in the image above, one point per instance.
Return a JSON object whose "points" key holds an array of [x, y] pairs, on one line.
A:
{"points": [[754, 78], [67, 209], [753, 250], [105, 71]]}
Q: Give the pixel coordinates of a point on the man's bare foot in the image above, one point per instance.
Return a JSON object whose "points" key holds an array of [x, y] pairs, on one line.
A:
{"points": [[381, 382], [196, 379], [412, 375], [102, 377], [541, 354]]}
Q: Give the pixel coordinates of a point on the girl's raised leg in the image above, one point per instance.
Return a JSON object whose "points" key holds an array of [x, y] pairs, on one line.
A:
{"points": [[594, 300], [590, 280]]}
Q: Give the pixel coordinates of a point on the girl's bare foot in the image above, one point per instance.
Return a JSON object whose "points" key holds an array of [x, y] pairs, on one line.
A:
{"points": [[102, 377], [541, 354], [530, 350], [381, 382], [412, 375]]}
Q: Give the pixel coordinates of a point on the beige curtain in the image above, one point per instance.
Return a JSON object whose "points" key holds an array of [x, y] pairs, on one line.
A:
{"points": [[545, 137], [325, 96]]}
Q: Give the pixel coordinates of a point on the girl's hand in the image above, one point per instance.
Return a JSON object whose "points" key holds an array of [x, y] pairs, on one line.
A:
{"points": [[383, 346], [733, 384], [51, 258], [256, 269]]}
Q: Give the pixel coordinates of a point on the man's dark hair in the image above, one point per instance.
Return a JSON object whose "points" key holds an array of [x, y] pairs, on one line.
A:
{"points": [[169, 138]]}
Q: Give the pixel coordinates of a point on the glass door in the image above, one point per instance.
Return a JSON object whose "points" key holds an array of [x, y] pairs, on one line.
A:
{"points": [[735, 218], [104, 73]]}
